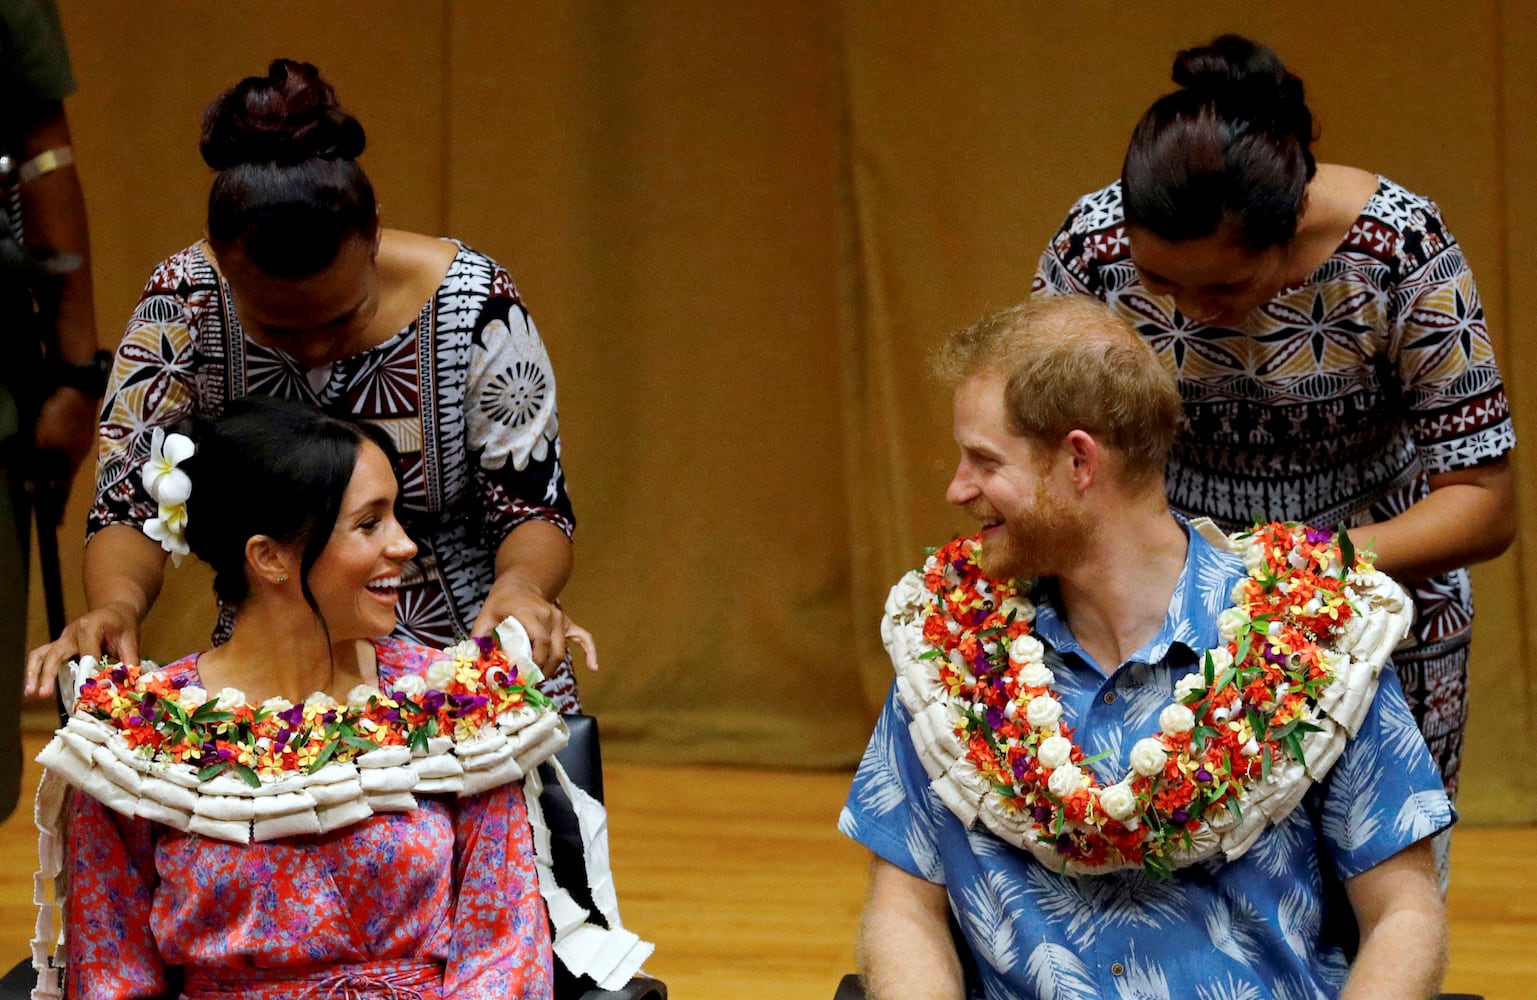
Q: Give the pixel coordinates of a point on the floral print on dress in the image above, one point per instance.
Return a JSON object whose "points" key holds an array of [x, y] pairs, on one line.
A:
{"points": [[451, 884]]}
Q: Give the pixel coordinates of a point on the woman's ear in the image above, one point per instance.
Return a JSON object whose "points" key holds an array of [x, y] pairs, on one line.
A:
{"points": [[269, 560]]}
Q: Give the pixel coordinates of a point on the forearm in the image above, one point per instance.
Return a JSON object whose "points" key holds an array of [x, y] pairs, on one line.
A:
{"points": [[1402, 917], [54, 224], [905, 948], [536, 553], [1469, 516], [1403, 959], [123, 567]]}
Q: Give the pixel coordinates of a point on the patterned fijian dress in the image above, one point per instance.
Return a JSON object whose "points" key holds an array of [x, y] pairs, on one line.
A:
{"points": [[439, 902], [1330, 403], [466, 393]]}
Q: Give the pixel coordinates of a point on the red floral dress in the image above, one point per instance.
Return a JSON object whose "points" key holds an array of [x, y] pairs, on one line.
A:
{"points": [[439, 902]]}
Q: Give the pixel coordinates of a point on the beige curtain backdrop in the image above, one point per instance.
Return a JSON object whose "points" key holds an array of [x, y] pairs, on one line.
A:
{"points": [[740, 225]]}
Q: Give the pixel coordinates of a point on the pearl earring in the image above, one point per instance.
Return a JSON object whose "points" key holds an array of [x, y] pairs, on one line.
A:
{"points": [[283, 578]]}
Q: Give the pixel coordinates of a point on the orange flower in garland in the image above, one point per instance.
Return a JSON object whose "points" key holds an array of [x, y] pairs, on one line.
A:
{"points": [[1234, 734]]}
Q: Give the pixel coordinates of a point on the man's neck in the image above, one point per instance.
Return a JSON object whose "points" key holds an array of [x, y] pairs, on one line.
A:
{"points": [[1117, 598]]}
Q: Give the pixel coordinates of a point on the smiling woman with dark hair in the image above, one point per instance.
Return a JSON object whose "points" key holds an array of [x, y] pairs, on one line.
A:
{"points": [[299, 293], [1328, 340], [429, 896]]}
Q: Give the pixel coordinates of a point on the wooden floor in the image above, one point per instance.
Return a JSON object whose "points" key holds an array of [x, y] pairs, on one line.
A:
{"points": [[750, 893]]}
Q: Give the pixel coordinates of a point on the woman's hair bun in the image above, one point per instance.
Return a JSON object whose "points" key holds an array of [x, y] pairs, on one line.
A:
{"points": [[286, 117], [1247, 82]]}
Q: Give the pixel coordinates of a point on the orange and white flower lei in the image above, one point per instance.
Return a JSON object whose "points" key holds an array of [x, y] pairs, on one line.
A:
{"points": [[219, 766], [1262, 717]]}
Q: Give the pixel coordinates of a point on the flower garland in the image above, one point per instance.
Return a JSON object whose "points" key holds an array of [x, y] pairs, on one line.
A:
{"points": [[1263, 715], [171, 721], [158, 747]]}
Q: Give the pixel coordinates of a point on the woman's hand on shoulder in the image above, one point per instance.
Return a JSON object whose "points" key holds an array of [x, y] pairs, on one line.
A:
{"points": [[550, 630], [112, 627]]}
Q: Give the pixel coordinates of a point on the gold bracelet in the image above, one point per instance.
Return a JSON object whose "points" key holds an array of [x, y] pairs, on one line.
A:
{"points": [[45, 162]]}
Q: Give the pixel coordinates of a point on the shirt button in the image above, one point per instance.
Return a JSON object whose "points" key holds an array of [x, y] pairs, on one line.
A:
{"points": [[1117, 969], [1110, 700]]}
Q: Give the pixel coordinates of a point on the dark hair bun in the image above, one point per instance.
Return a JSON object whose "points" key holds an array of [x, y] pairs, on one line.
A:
{"points": [[286, 117], [1247, 82]]}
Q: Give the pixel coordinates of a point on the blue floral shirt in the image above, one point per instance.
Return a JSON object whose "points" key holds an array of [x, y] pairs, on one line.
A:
{"points": [[1274, 923]]}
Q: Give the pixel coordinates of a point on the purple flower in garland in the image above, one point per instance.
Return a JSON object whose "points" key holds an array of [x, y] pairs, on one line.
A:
{"points": [[214, 755], [467, 703], [1202, 775], [1041, 813], [486, 643], [1180, 816], [432, 702], [995, 720], [1064, 845], [292, 717], [1315, 536]]}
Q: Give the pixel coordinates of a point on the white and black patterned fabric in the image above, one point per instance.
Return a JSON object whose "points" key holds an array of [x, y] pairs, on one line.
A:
{"points": [[1331, 403], [466, 393]]}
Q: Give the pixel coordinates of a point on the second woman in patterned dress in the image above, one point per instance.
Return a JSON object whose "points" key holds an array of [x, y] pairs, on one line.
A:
{"points": [[1329, 344], [299, 293]]}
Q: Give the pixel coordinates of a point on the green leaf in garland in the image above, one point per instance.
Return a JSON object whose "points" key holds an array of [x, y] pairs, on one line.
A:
{"points": [[360, 743], [1347, 548], [1210, 670], [1245, 643], [248, 775], [1256, 724], [211, 771], [209, 712], [1157, 867], [1293, 743], [417, 741], [1094, 759], [323, 759]]}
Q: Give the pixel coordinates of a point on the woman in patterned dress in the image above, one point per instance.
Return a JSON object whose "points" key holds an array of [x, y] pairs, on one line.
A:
{"points": [[299, 293], [295, 512], [1328, 339]]}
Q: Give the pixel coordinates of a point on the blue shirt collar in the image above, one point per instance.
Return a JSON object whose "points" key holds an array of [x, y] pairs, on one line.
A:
{"points": [[1202, 592]]}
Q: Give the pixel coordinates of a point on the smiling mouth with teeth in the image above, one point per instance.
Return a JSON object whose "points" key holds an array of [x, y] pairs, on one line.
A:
{"points": [[388, 583]]}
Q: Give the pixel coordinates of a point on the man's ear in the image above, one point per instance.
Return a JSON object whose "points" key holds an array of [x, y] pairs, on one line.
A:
{"points": [[1085, 457], [270, 560]]}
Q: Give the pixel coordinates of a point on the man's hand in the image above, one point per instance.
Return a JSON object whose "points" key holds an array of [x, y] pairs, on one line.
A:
{"points": [[113, 627], [66, 426], [905, 948]]}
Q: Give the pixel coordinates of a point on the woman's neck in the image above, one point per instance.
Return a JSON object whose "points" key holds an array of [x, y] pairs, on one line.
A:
{"points": [[1335, 198], [284, 652]]}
